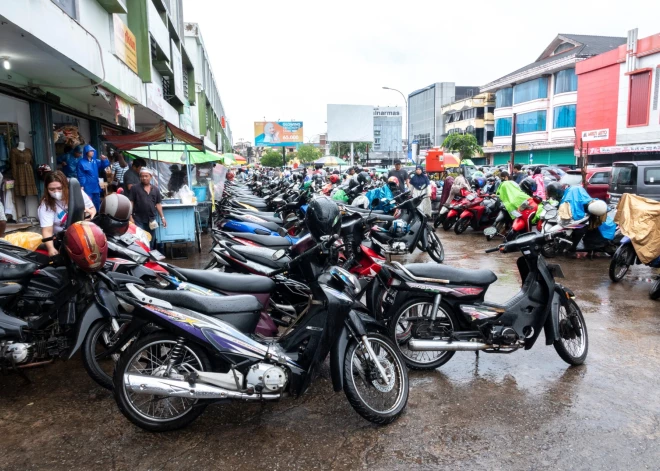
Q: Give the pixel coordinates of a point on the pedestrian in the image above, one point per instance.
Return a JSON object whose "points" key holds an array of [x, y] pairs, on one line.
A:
{"points": [[119, 168], [422, 185], [88, 174], [504, 176], [69, 161], [400, 174], [147, 203], [540, 184], [518, 174], [132, 175], [460, 184]]}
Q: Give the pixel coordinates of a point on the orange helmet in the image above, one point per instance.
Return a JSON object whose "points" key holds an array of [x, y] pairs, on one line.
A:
{"points": [[86, 245], [334, 178]]}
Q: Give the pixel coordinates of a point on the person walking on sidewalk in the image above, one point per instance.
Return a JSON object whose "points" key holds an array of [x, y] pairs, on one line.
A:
{"points": [[147, 202], [88, 174]]}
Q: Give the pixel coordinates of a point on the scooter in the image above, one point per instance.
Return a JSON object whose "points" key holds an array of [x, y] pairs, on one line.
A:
{"points": [[624, 257], [481, 213]]}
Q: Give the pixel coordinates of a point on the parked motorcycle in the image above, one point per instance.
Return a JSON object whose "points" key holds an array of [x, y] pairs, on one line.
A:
{"points": [[624, 257]]}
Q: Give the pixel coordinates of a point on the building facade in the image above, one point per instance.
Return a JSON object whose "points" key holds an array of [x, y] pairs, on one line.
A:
{"points": [[473, 115], [618, 115], [542, 97], [425, 121], [388, 126], [78, 70]]}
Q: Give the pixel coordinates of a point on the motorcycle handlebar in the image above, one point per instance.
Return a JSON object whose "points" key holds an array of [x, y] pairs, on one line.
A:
{"points": [[493, 249], [305, 254]]}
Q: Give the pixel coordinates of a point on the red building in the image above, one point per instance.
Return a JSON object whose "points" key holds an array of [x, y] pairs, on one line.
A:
{"points": [[618, 93]]}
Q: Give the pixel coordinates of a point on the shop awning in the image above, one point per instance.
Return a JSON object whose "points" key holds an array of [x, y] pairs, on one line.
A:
{"points": [[175, 153], [159, 133]]}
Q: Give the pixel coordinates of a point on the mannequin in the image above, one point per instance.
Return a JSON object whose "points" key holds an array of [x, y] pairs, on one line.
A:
{"points": [[21, 146], [21, 163]]}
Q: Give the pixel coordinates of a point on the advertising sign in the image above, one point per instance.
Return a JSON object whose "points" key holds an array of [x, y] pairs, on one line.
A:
{"points": [[596, 135], [278, 133], [124, 113], [350, 123], [125, 45]]}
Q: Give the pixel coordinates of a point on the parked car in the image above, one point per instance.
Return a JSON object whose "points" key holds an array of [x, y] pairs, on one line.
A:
{"points": [[638, 178], [598, 179]]}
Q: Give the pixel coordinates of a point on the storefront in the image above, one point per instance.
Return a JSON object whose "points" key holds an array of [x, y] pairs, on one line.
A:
{"points": [[560, 156]]}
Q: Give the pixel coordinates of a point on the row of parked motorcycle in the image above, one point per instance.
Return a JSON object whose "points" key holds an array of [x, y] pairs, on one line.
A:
{"points": [[294, 277]]}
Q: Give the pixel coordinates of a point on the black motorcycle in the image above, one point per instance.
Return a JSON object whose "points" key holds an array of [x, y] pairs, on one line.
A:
{"points": [[438, 310]]}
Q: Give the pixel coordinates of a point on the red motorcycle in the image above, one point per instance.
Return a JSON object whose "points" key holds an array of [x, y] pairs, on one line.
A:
{"points": [[524, 215], [456, 207], [480, 214]]}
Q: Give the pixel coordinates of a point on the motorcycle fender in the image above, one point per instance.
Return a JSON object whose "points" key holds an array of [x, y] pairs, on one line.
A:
{"points": [[92, 314], [466, 215], [452, 213], [551, 326], [519, 225]]}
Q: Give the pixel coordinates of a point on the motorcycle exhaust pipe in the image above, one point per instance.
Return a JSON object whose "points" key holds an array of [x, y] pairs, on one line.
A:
{"points": [[154, 385], [418, 345]]}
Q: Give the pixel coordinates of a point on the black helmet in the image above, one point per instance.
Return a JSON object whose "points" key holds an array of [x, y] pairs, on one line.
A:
{"points": [[322, 218], [528, 185], [555, 191], [352, 183], [363, 178]]}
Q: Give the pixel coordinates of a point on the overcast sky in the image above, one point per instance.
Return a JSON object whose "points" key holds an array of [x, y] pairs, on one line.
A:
{"points": [[289, 59]]}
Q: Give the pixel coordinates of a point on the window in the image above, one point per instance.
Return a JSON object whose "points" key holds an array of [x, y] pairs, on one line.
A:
{"points": [[564, 116], [652, 176], [69, 7], [532, 90], [504, 97], [503, 127], [639, 99], [600, 178], [565, 81], [624, 175], [530, 122]]}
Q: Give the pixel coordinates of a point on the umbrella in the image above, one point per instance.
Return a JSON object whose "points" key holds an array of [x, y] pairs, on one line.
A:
{"points": [[228, 158], [449, 160], [239, 158], [331, 161]]}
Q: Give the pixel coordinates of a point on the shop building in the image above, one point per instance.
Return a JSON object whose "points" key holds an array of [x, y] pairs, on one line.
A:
{"points": [[388, 125], [76, 70], [473, 115], [543, 96], [425, 121], [618, 116]]}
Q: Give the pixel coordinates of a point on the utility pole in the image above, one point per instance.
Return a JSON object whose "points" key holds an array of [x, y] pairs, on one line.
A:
{"points": [[283, 157], [513, 143]]}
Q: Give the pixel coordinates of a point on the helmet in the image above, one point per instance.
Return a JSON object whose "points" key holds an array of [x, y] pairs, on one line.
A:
{"points": [[479, 182], [528, 185], [399, 227], [322, 218], [230, 176], [393, 183], [352, 183], [334, 178], [597, 208], [307, 184], [86, 245], [554, 191], [363, 178], [114, 215]]}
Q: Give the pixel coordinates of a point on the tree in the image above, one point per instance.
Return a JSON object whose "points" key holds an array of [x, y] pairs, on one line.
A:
{"points": [[344, 148], [308, 153], [271, 158], [465, 144]]}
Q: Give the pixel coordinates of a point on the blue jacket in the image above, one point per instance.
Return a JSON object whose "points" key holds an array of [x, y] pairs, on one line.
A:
{"points": [[88, 171]]}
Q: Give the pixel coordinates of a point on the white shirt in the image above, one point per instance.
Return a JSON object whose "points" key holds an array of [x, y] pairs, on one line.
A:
{"points": [[57, 218]]}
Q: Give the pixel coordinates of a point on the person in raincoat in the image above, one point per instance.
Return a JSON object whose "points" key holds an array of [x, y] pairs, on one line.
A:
{"points": [[88, 174], [460, 183], [422, 185], [69, 161], [540, 184], [511, 196]]}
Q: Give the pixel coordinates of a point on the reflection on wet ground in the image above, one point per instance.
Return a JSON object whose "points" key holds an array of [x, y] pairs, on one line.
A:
{"points": [[527, 410]]}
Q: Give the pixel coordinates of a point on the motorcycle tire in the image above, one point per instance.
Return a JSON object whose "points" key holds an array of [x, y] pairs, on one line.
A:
{"points": [[439, 220], [125, 404], [448, 223], [434, 247], [511, 235], [550, 250], [619, 263], [461, 225], [355, 378], [89, 351], [571, 322], [655, 289], [398, 331]]}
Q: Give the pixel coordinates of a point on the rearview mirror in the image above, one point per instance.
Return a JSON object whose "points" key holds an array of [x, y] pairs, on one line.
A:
{"points": [[281, 231], [490, 231], [279, 254]]}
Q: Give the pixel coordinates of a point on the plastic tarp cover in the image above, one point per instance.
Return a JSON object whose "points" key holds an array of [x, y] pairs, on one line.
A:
{"points": [[511, 196], [576, 197], [383, 193], [639, 219]]}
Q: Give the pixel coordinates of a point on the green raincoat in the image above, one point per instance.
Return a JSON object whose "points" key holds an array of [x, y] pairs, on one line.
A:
{"points": [[511, 196]]}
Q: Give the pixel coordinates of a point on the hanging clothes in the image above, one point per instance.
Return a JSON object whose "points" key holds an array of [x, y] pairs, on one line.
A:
{"points": [[4, 156], [22, 172]]}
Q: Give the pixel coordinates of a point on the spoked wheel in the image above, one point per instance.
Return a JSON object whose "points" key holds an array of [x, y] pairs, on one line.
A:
{"points": [[573, 343], [98, 340], [413, 321], [461, 225], [377, 400], [151, 356], [198, 231], [655, 289], [433, 246], [619, 264], [448, 223]]}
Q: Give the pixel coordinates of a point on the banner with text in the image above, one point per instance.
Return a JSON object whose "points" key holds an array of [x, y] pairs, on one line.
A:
{"points": [[278, 133]]}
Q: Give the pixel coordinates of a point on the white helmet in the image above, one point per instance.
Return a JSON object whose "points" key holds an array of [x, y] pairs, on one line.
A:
{"points": [[597, 207]]}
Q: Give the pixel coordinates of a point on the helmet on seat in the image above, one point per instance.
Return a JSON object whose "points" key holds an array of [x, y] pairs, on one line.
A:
{"points": [[363, 178], [555, 191], [597, 208], [352, 183], [114, 214], [86, 245], [322, 218], [528, 185]]}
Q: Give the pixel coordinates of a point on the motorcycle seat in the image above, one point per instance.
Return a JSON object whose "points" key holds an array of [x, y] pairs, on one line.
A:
{"points": [[241, 311], [382, 237], [233, 282], [16, 272], [455, 276], [265, 216], [272, 242], [385, 217], [271, 226], [261, 255]]}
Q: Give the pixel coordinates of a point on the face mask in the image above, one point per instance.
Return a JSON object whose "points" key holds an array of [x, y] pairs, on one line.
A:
{"points": [[56, 194]]}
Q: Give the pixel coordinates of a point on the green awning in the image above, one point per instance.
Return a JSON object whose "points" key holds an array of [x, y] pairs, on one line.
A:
{"points": [[176, 153]]}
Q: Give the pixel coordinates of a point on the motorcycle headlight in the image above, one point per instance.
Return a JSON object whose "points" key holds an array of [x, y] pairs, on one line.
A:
{"points": [[348, 280]]}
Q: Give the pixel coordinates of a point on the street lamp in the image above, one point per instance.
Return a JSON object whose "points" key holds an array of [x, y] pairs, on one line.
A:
{"points": [[406, 112]]}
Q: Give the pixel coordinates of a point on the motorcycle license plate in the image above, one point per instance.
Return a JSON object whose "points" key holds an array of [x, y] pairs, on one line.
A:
{"points": [[556, 270], [490, 231], [157, 255]]}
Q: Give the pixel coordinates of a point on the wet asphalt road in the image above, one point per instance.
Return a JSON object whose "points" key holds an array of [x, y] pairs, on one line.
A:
{"points": [[527, 410]]}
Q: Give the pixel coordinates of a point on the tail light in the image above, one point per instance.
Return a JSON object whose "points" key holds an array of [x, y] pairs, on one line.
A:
{"points": [[469, 291]]}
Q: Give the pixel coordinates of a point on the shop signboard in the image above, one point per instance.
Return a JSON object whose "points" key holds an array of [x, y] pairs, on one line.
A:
{"points": [[278, 133], [125, 45], [177, 67], [596, 135], [625, 149], [124, 113], [185, 120]]}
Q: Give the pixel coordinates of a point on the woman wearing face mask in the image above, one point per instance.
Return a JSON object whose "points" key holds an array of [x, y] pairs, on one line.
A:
{"points": [[422, 185], [53, 209]]}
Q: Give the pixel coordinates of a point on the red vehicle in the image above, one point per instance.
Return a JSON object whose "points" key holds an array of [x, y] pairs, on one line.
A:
{"points": [[475, 214], [524, 215], [598, 180], [456, 207]]}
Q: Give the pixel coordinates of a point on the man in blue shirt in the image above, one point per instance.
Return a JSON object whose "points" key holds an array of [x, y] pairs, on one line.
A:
{"points": [[69, 161], [88, 174]]}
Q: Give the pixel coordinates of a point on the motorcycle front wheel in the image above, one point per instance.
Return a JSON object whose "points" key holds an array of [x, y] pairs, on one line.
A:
{"points": [[573, 343], [655, 289], [619, 263], [461, 225], [434, 247], [374, 399], [448, 223], [97, 341]]}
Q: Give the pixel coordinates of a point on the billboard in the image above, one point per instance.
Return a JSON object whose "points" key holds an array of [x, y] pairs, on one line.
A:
{"points": [[350, 123], [278, 133]]}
